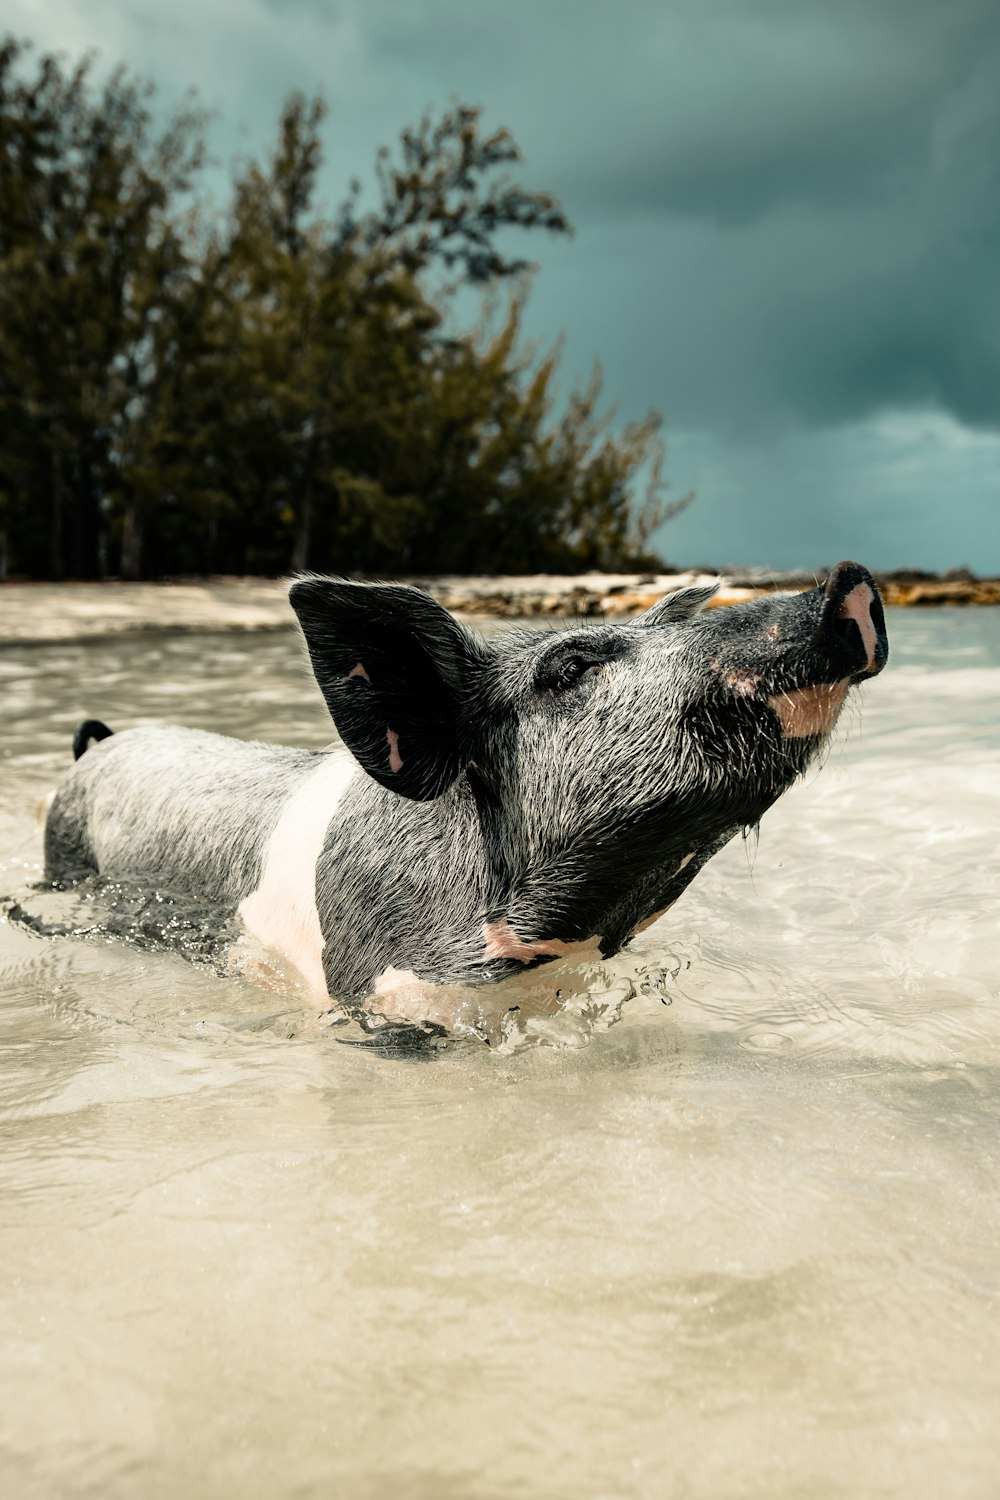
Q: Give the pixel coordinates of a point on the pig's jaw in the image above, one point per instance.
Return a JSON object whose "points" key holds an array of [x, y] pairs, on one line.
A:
{"points": [[806, 713], [500, 941], [803, 712]]}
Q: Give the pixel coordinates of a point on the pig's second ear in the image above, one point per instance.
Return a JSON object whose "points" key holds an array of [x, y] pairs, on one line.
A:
{"points": [[680, 605], [398, 673]]}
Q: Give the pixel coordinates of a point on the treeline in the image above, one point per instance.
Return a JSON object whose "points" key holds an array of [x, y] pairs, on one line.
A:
{"points": [[186, 388]]}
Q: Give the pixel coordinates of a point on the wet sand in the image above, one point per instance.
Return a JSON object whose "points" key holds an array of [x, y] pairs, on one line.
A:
{"points": [[45, 613]]}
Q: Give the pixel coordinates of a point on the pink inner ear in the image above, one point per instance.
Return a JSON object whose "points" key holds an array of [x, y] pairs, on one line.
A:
{"points": [[395, 759], [359, 671]]}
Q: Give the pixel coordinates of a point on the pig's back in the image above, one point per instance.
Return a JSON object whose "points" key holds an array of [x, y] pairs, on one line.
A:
{"points": [[180, 806]]}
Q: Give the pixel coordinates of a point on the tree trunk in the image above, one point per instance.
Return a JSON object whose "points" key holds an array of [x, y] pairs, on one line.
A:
{"points": [[303, 524], [131, 559], [84, 554], [57, 563]]}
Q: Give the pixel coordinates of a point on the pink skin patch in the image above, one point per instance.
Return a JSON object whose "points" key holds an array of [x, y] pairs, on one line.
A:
{"points": [[744, 683], [809, 711], [395, 759], [359, 671], [398, 995], [502, 942], [393, 978], [858, 607]]}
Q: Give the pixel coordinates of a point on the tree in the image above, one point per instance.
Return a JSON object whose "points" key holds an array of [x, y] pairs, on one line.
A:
{"points": [[274, 388], [91, 260]]}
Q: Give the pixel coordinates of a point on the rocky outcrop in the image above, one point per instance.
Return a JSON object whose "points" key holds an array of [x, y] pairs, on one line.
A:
{"points": [[615, 595], [940, 590]]}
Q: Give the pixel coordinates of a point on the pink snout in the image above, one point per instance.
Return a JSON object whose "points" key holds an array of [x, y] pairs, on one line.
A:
{"points": [[858, 607], [853, 622]]}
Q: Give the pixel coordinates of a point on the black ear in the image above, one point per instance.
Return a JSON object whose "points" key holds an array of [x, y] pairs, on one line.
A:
{"points": [[680, 605], [398, 673]]}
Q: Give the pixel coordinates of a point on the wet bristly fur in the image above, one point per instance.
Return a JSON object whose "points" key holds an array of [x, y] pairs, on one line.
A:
{"points": [[510, 798]]}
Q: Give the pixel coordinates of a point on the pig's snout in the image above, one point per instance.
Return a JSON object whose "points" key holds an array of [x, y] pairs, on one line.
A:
{"points": [[851, 626]]}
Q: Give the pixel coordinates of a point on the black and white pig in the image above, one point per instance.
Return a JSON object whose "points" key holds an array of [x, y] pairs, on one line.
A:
{"points": [[499, 804]]}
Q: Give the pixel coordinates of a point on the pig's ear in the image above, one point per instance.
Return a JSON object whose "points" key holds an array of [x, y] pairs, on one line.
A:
{"points": [[398, 673], [680, 605]]}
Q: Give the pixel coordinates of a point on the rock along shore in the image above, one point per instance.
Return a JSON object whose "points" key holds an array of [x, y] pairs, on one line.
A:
{"points": [[42, 613]]}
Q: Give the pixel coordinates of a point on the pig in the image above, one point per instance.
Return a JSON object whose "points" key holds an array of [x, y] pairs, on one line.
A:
{"points": [[498, 806]]}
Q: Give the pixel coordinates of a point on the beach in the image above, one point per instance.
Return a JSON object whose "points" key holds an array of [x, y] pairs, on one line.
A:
{"points": [[46, 613]]}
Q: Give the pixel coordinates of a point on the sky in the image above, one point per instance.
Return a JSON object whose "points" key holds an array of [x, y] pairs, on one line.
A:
{"points": [[787, 218]]}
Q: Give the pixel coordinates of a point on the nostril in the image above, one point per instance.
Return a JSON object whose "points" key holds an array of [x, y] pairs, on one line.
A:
{"points": [[848, 633]]}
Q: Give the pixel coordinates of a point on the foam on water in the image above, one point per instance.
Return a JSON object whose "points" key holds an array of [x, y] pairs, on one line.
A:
{"points": [[741, 1243]]}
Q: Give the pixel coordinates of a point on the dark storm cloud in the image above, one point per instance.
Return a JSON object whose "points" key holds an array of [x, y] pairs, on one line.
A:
{"points": [[801, 201], [719, 110]]}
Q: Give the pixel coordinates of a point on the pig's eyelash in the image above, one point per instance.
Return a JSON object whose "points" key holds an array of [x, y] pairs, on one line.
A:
{"points": [[567, 665]]}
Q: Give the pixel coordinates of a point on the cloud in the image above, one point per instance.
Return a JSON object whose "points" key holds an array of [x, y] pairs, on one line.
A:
{"points": [[903, 489], [796, 205]]}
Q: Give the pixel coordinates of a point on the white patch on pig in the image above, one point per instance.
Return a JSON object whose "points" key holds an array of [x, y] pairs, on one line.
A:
{"points": [[809, 711], [359, 671], [685, 861], [42, 811], [501, 941], [395, 759], [857, 606], [281, 912]]}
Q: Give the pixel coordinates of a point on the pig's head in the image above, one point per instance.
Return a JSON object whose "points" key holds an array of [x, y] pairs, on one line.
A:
{"points": [[607, 762]]}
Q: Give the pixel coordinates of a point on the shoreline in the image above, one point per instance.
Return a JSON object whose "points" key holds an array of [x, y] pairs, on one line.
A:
{"points": [[50, 613]]}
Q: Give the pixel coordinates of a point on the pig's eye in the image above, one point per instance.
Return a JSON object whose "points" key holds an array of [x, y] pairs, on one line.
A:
{"points": [[565, 670], [568, 673]]}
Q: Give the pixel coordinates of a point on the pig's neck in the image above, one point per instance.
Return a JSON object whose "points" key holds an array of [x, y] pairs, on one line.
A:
{"points": [[423, 887], [406, 885]]}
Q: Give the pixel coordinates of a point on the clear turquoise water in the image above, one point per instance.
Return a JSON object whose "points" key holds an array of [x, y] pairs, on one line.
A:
{"points": [[741, 1244]]}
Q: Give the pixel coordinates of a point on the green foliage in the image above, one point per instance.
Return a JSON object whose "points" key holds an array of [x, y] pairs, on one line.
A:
{"points": [[271, 388]]}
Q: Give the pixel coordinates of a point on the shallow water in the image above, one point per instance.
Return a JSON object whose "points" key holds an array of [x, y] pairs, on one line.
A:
{"points": [[743, 1244]]}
